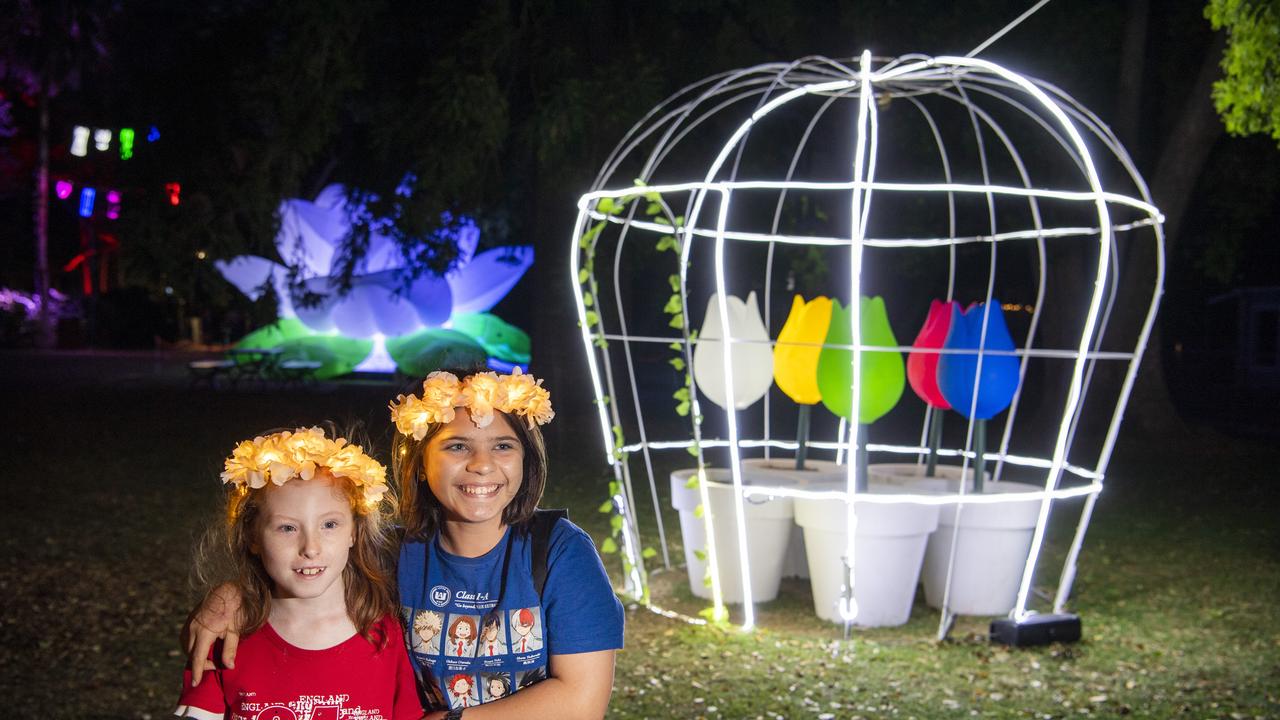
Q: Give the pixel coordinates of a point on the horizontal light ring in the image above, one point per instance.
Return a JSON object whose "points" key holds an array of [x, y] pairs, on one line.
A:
{"points": [[923, 498]]}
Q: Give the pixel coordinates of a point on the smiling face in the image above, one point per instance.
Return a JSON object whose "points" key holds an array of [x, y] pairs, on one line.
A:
{"points": [[475, 472], [305, 532]]}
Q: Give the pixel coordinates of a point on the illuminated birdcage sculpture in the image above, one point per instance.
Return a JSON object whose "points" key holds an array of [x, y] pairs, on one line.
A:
{"points": [[889, 185]]}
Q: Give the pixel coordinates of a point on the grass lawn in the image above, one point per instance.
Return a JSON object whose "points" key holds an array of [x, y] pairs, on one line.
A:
{"points": [[112, 473]]}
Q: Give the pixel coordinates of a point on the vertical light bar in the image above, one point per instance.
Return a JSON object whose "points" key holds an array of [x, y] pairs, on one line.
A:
{"points": [[1091, 319], [126, 143], [102, 139], [581, 307], [86, 202], [594, 370], [704, 494], [80, 141], [848, 607], [735, 462], [113, 204]]}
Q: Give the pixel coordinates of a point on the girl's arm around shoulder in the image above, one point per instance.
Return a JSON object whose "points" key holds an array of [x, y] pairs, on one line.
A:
{"points": [[206, 700]]}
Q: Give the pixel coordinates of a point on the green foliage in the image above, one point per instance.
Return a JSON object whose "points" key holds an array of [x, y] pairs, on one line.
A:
{"points": [[1248, 96], [425, 351], [336, 354]]}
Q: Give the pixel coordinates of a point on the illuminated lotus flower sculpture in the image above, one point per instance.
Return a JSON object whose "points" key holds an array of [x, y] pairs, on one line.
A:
{"points": [[377, 305], [977, 392], [751, 357]]}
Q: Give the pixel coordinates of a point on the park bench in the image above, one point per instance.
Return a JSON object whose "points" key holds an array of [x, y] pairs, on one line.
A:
{"points": [[299, 372], [210, 372], [257, 365]]}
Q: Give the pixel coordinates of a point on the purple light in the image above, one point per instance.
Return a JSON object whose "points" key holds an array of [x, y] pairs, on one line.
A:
{"points": [[63, 189], [113, 204], [86, 201]]}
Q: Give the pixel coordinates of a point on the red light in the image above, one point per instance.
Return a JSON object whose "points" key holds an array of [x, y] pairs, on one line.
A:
{"points": [[175, 193]]}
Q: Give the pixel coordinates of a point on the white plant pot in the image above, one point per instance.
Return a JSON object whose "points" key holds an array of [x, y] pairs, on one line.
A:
{"points": [[768, 531], [782, 472], [993, 543], [888, 548]]}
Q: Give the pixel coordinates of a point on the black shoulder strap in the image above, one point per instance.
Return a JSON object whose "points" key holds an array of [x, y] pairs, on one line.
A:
{"points": [[540, 527]]}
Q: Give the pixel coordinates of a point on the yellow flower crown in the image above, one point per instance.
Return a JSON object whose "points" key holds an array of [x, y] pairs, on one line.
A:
{"points": [[282, 456], [480, 394]]}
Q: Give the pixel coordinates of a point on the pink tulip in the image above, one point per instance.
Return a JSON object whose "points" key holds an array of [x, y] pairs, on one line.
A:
{"points": [[922, 367]]}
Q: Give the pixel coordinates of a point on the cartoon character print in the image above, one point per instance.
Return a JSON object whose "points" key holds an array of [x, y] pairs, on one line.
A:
{"points": [[462, 691], [427, 625], [530, 677], [462, 637], [495, 686], [526, 630], [492, 638]]}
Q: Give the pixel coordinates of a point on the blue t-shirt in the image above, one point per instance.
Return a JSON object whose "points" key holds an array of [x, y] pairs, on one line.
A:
{"points": [[476, 641]]}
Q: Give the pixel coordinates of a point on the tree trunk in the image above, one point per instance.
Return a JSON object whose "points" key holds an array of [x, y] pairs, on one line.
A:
{"points": [[1132, 66], [1182, 158], [44, 320]]}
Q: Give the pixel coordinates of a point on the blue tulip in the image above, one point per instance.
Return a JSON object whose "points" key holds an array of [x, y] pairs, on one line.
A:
{"points": [[957, 372]]}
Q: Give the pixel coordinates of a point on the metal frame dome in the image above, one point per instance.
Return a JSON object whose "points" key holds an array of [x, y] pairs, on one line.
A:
{"points": [[981, 174]]}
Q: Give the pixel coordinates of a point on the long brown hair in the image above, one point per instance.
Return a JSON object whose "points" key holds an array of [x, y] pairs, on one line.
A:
{"points": [[421, 511], [368, 578]]}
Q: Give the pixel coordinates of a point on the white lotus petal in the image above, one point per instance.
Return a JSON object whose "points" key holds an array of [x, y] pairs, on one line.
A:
{"points": [[352, 314], [481, 283], [247, 272]]}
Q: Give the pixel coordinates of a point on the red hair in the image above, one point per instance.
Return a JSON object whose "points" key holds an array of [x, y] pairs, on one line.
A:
{"points": [[526, 616], [453, 682]]}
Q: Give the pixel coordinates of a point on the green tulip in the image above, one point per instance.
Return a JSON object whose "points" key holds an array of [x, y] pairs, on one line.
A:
{"points": [[883, 371]]}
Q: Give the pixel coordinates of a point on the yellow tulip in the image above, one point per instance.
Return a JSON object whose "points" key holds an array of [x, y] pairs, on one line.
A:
{"points": [[795, 357]]}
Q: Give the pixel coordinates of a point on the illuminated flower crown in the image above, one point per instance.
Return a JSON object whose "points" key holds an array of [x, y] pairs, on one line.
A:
{"points": [[480, 394], [282, 456]]}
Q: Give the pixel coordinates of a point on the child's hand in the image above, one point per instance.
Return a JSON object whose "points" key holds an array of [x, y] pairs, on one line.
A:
{"points": [[217, 617]]}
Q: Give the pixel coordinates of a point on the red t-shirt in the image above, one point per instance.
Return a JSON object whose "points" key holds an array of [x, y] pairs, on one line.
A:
{"points": [[274, 680]]}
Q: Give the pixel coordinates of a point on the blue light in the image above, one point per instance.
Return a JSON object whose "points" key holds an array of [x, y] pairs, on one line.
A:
{"points": [[505, 367], [153, 134], [86, 202]]}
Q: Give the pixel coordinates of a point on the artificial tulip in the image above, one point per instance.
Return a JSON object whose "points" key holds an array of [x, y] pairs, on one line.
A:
{"points": [[795, 358], [752, 360], [883, 371], [958, 373], [922, 367]]}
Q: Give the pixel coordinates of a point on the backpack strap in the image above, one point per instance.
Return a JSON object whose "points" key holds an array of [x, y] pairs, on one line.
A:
{"points": [[540, 528]]}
